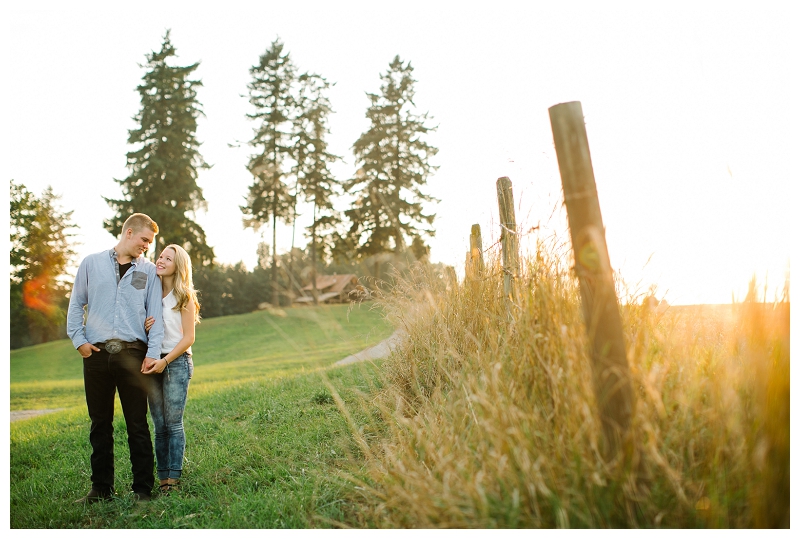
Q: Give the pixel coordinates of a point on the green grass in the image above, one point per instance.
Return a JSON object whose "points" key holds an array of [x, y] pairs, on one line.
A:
{"points": [[227, 350], [478, 420], [265, 440]]}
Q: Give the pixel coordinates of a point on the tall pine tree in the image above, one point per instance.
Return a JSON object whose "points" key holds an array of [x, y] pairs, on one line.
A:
{"points": [[312, 158], [163, 170], [393, 168], [269, 197]]}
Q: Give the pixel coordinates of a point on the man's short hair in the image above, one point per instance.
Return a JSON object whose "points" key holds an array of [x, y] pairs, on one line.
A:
{"points": [[138, 221]]}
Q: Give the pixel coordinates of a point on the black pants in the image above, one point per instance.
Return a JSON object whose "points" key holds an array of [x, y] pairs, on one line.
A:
{"points": [[103, 375]]}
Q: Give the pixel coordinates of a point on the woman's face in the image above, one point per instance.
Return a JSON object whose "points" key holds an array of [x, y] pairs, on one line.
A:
{"points": [[165, 265]]}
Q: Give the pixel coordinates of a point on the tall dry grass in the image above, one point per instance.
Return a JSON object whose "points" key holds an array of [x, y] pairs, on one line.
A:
{"points": [[486, 416]]}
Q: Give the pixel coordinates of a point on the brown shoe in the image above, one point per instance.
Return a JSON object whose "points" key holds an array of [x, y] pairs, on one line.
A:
{"points": [[172, 485], [94, 496]]}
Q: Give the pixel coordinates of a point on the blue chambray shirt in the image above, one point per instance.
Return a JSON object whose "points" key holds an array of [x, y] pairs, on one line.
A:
{"points": [[117, 307]]}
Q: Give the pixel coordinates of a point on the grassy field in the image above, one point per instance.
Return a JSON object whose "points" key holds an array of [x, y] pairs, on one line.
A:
{"points": [[485, 417], [228, 350], [264, 437]]}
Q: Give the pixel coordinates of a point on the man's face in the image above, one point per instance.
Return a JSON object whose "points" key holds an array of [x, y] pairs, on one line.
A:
{"points": [[138, 241]]}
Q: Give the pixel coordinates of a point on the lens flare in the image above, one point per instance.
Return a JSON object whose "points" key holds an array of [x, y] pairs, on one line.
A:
{"points": [[35, 295]]}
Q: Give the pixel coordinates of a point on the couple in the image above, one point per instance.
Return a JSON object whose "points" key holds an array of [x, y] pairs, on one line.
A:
{"points": [[136, 340]]}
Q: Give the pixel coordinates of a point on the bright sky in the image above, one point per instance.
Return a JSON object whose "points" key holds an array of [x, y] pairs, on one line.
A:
{"points": [[691, 115]]}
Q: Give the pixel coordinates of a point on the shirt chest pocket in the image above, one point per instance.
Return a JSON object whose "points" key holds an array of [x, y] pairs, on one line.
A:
{"points": [[139, 280]]}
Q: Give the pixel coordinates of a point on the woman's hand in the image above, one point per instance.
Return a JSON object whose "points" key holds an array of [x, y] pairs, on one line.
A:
{"points": [[148, 323], [156, 367]]}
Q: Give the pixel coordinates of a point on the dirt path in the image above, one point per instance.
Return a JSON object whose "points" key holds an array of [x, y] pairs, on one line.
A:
{"points": [[27, 414], [379, 351]]}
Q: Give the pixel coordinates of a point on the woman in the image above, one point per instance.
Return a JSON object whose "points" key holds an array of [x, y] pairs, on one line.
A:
{"points": [[171, 373]]}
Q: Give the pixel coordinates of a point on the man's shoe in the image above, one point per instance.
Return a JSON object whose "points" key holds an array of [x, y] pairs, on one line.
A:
{"points": [[141, 497], [95, 496]]}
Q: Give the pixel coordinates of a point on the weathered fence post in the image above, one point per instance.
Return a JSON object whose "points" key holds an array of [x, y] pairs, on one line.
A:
{"points": [[450, 278], [508, 237], [474, 264], [476, 250], [598, 297]]}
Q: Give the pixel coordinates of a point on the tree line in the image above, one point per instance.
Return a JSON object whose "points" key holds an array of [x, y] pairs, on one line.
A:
{"points": [[290, 163]]}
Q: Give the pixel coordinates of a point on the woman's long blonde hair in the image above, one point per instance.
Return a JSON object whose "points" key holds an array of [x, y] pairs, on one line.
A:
{"points": [[183, 285]]}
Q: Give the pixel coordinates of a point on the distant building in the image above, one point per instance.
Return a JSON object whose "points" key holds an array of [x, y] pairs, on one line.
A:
{"points": [[335, 289]]}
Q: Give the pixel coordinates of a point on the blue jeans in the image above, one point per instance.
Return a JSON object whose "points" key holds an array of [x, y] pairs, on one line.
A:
{"points": [[167, 398]]}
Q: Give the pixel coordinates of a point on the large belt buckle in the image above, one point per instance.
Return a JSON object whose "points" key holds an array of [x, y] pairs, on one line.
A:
{"points": [[114, 346]]}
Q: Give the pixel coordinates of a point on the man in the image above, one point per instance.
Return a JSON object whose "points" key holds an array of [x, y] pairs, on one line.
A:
{"points": [[121, 290]]}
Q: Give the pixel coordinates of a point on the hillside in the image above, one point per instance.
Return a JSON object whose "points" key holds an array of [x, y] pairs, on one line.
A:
{"points": [[227, 350]]}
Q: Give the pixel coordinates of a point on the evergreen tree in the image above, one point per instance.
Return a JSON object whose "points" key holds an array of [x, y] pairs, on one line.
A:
{"points": [[393, 167], [163, 170], [312, 158], [41, 249], [419, 248], [269, 198]]}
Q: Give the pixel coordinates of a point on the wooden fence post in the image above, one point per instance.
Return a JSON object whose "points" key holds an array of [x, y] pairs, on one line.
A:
{"points": [[508, 237], [450, 278], [598, 297], [474, 264], [476, 251]]}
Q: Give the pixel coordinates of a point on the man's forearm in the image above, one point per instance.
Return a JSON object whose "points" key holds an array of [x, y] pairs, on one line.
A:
{"points": [[77, 299]]}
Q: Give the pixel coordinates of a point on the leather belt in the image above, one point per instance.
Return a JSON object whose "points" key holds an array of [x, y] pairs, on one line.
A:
{"points": [[115, 346]]}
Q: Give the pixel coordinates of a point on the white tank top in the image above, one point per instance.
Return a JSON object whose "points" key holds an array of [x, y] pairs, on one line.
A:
{"points": [[173, 329]]}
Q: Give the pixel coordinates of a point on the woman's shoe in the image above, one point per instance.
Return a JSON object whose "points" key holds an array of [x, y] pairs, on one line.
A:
{"points": [[167, 488]]}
